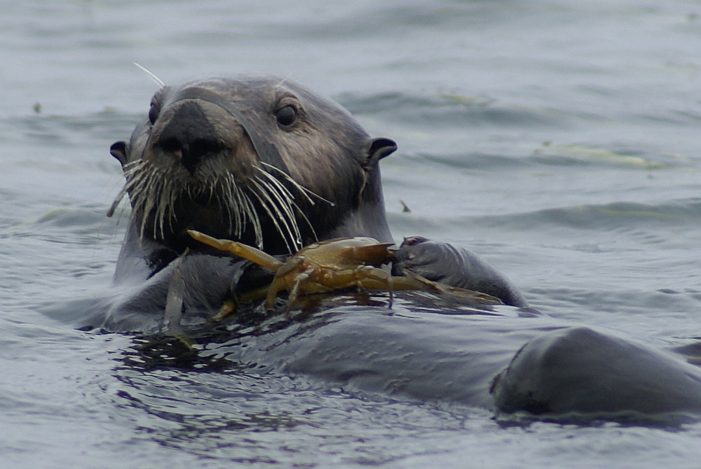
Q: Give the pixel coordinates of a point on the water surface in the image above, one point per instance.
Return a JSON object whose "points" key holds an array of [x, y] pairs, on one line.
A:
{"points": [[557, 139]]}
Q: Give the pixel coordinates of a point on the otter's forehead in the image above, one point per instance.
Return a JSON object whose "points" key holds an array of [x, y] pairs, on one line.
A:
{"points": [[262, 95]]}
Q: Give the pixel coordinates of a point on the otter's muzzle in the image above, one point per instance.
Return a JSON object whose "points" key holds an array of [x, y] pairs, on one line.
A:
{"points": [[189, 136]]}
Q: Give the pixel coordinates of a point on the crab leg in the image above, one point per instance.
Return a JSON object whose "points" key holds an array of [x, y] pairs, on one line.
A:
{"points": [[243, 251], [372, 278]]}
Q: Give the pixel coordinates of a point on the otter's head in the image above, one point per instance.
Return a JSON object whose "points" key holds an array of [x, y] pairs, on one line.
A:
{"points": [[262, 161]]}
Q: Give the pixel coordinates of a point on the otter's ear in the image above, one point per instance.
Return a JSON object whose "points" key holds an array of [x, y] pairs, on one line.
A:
{"points": [[379, 148], [119, 151]]}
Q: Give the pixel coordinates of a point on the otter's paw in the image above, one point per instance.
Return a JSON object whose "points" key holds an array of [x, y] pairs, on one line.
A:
{"points": [[453, 266], [426, 258]]}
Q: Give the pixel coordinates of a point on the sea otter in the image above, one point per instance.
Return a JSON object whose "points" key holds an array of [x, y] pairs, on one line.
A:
{"points": [[268, 163]]}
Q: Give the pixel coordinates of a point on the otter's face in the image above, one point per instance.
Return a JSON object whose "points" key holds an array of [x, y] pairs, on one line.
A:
{"points": [[261, 161]]}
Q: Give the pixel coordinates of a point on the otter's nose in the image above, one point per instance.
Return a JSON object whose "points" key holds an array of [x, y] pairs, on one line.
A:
{"points": [[189, 136]]}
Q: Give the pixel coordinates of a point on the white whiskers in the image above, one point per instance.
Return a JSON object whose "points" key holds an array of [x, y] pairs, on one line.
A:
{"points": [[150, 74], [155, 193]]}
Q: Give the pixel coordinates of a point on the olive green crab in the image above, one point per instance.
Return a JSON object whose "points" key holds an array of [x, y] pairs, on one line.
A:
{"points": [[332, 265]]}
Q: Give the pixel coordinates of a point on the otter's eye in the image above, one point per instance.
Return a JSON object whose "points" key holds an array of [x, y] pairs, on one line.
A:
{"points": [[153, 111], [286, 116]]}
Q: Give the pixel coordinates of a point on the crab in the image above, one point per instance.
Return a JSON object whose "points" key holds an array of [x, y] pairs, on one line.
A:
{"points": [[332, 265]]}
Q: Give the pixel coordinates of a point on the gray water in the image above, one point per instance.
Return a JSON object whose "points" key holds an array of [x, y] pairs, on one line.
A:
{"points": [[557, 139]]}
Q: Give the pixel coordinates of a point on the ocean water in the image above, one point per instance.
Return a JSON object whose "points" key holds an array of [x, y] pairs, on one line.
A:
{"points": [[557, 139]]}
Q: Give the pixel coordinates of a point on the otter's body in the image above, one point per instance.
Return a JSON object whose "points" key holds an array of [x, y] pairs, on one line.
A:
{"points": [[266, 162]]}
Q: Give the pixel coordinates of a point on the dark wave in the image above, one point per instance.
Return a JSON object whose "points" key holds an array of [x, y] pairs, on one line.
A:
{"points": [[456, 110], [614, 215], [107, 124]]}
